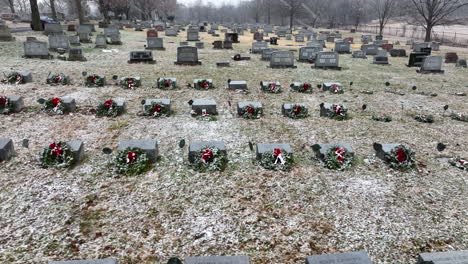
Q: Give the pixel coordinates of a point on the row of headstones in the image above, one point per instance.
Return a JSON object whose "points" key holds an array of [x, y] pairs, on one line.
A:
{"points": [[357, 257]]}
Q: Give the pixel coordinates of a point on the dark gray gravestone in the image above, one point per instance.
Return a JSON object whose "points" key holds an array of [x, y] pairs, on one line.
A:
{"points": [[53, 29], [90, 261], [461, 63], [266, 54], [343, 47], [238, 85], [58, 42], [75, 54], [77, 148], [163, 101], [370, 49], [218, 44], [398, 53], [381, 150], [194, 153], [209, 105], [85, 28], [381, 57], [223, 64], [149, 146], [5, 33], [309, 54], [7, 149], [450, 257], [192, 35], [36, 49], [171, 32], [416, 59], [115, 39], [141, 56], [155, 44], [326, 109], [322, 149], [187, 56], [200, 45], [263, 148], [258, 47], [69, 104], [111, 30], [17, 103], [85, 37], [359, 54], [282, 59], [101, 41], [359, 257], [432, 64], [74, 40], [327, 60], [419, 47], [242, 105], [227, 44]]}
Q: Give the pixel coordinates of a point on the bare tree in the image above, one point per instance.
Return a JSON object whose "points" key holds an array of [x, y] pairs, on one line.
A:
{"points": [[79, 10], [294, 8], [35, 16], [11, 4], [358, 11], [385, 10], [431, 13], [52, 9]]}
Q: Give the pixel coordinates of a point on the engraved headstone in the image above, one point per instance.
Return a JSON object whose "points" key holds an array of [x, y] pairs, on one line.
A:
{"points": [[149, 146], [258, 47], [416, 59], [36, 49], [58, 42], [359, 257], [74, 40], [282, 59], [381, 57], [192, 34], [370, 49], [187, 56], [155, 44], [75, 54], [359, 54], [171, 32], [141, 56], [432, 64], [5, 33], [53, 29], [327, 60], [101, 41], [343, 47]]}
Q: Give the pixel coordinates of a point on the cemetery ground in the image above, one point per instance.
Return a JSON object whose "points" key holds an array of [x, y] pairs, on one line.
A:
{"points": [[273, 217]]}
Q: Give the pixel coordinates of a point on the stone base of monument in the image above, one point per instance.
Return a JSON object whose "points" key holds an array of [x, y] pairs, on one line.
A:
{"points": [[161, 48], [148, 61], [282, 66], [337, 68], [223, 64], [44, 57], [189, 63], [430, 71]]}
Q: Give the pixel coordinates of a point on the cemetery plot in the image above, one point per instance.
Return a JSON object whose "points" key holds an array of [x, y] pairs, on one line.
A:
{"points": [[187, 56], [141, 57], [327, 60]]}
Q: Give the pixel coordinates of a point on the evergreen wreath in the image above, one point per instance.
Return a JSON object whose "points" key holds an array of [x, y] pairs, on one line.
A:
{"points": [[250, 112], [132, 161], [298, 112], [94, 81], [459, 117], [272, 88], [278, 159], [58, 79], [203, 85], [14, 78], [338, 158], [459, 163], [166, 84], [129, 83], [108, 108], [157, 110], [54, 106], [305, 88], [382, 118], [57, 155], [210, 159], [338, 112], [5, 105], [424, 118], [401, 157]]}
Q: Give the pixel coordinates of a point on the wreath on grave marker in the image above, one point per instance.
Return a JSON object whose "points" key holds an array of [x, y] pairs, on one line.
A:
{"points": [[203, 85], [94, 81], [14, 78], [250, 112], [278, 159], [210, 159], [272, 88], [298, 112], [424, 118], [157, 110], [459, 163], [5, 105], [305, 88], [459, 117], [401, 157], [204, 116], [59, 79], [132, 161], [57, 155], [108, 108], [129, 83], [338, 158], [382, 118], [166, 84], [336, 89], [338, 112], [53, 106]]}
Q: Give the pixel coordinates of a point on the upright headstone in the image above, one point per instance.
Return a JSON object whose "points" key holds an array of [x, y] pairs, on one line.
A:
{"points": [[53, 29], [342, 47], [101, 41], [359, 54], [192, 34], [141, 57], [155, 44], [187, 56], [432, 64], [309, 54], [75, 54], [327, 60], [60, 41], [74, 40], [259, 46], [381, 57], [171, 32], [299, 38], [36, 49], [282, 59], [370, 49], [5, 33], [416, 59]]}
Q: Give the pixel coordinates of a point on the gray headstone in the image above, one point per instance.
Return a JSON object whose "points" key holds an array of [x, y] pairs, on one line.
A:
{"points": [[322, 149], [366, 38], [141, 56], [241, 105], [327, 60], [241, 85], [171, 32], [77, 148], [58, 42], [84, 37], [75, 54], [299, 38], [35, 49], [200, 45], [450, 257], [266, 54], [359, 257], [187, 55], [69, 104], [326, 109], [282, 59], [5, 33], [262, 148], [149, 146], [90, 261], [381, 57], [381, 150], [370, 49], [359, 54], [74, 40], [155, 43], [194, 150], [192, 35], [287, 108], [17, 103], [309, 53], [162, 101], [101, 41], [111, 30], [27, 76], [7, 149], [432, 64], [53, 29], [257, 47], [207, 104], [85, 28], [342, 47]]}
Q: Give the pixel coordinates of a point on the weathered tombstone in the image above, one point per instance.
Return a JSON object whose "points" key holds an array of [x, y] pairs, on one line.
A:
{"points": [[152, 33], [258, 36], [16, 103], [432, 64], [299, 38], [187, 56], [155, 44], [398, 53], [450, 257], [218, 44], [75, 54], [53, 29], [461, 63], [58, 42], [194, 149], [333, 87], [266, 54], [258, 47], [359, 257], [141, 56], [327, 60], [74, 40], [359, 54], [85, 28], [370, 49], [7, 149], [171, 32], [184, 43], [5, 33], [416, 59], [199, 105], [288, 109], [227, 44], [282, 59], [200, 45], [233, 37], [381, 58], [192, 34], [451, 57], [149, 146], [36, 49], [101, 41], [342, 47], [237, 85]]}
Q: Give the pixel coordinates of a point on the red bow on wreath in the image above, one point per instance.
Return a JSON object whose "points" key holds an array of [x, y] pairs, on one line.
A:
{"points": [[58, 79], [157, 109], [279, 156], [463, 162], [131, 157], [306, 86], [167, 83], [108, 104], [205, 84], [297, 110], [338, 109], [92, 78], [207, 155], [56, 101], [272, 85], [56, 149], [3, 100], [340, 155], [250, 110], [401, 156]]}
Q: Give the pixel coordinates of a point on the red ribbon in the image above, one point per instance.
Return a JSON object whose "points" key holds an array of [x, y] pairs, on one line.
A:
{"points": [[3, 100], [131, 157], [205, 84], [250, 110], [276, 152], [157, 109], [56, 149], [401, 156], [56, 101], [340, 154], [306, 86], [108, 103], [297, 110], [167, 83], [207, 155], [337, 109]]}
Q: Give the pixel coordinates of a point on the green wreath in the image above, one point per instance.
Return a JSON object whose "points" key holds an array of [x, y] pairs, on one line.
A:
{"points": [[250, 112], [210, 159], [157, 110], [57, 155], [338, 158], [297, 112], [129, 83], [14, 78], [424, 118], [132, 161], [108, 108], [338, 112], [53, 106], [272, 88], [305, 88], [459, 117], [94, 81], [459, 163], [59, 79], [166, 84], [5, 105], [401, 157], [203, 85], [382, 118], [269, 160]]}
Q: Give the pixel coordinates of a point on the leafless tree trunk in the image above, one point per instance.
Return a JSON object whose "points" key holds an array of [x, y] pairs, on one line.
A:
{"points": [[35, 16], [11, 3], [79, 9], [385, 10], [293, 7], [52, 9]]}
